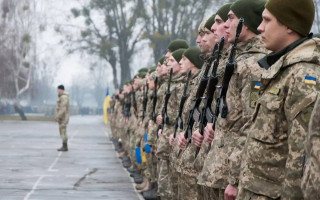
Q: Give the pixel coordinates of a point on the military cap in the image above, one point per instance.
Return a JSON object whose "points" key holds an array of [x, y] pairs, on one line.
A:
{"points": [[152, 69], [143, 70], [193, 54], [298, 15], [178, 44], [250, 11], [162, 59], [210, 22], [177, 55], [223, 11]]}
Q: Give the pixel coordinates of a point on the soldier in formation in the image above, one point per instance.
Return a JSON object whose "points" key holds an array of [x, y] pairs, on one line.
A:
{"points": [[234, 118]]}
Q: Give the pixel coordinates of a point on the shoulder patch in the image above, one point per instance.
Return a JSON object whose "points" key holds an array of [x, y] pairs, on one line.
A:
{"points": [[254, 93], [310, 80]]}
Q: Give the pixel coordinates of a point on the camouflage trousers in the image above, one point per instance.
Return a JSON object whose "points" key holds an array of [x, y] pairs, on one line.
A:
{"points": [[132, 147], [244, 194], [175, 182], [164, 184], [63, 132], [208, 193], [188, 188], [152, 167]]}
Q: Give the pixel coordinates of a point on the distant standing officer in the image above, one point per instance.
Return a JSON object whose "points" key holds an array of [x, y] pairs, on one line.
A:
{"points": [[62, 116]]}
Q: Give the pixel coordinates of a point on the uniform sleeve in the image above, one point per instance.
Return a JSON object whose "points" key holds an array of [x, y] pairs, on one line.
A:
{"points": [[298, 108], [311, 178], [62, 107]]}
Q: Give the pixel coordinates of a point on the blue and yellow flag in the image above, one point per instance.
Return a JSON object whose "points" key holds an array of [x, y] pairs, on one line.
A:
{"points": [[257, 85], [106, 105], [310, 80]]}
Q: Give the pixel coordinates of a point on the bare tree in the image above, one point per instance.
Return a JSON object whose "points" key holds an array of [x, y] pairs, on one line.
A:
{"points": [[16, 49]]}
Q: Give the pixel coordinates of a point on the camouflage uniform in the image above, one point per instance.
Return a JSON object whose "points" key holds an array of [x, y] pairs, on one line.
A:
{"points": [[152, 137], [163, 147], [214, 175], [272, 156], [133, 126], [62, 115], [188, 188], [311, 178]]}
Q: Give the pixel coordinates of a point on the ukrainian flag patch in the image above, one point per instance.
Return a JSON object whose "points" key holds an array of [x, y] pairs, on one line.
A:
{"points": [[257, 85], [310, 80]]}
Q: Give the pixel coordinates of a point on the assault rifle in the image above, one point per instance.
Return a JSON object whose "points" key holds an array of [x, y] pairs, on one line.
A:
{"points": [[145, 101], [206, 114], [134, 101], [222, 105], [184, 97], [154, 100], [194, 111], [165, 118]]}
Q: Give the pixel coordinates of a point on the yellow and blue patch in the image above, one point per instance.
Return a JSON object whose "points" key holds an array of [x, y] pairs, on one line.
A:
{"points": [[310, 80], [257, 85]]}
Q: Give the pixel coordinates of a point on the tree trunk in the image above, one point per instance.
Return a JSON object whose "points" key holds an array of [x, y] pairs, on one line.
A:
{"points": [[20, 112]]}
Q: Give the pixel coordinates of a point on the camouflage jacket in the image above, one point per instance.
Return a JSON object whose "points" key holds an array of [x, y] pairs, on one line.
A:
{"points": [[62, 109], [175, 149], [272, 156], [311, 178], [215, 171], [163, 147], [152, 138]]}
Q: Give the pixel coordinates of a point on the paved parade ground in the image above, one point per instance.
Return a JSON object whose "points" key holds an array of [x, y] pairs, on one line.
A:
{"points": [[32, 168]]}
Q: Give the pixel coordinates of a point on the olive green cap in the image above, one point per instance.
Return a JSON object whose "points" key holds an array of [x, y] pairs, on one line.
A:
{"points": [[178, 44], [210, 22], [152, 69], [143, 70], [223, 11], [250, 11], [193, 54], [162, 59], [298, 15], [178, 54]]}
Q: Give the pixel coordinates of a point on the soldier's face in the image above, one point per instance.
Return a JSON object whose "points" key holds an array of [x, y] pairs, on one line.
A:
{"points": [[186, 65], [150, 82], [231, 26], [60, 91], [172, 63], [273, 33], [209, 40], [200, 42], [159, 70], [219, 29]]}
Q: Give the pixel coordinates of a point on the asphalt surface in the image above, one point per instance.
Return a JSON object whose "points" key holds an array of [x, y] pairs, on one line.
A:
{"points": [[32, 169]]}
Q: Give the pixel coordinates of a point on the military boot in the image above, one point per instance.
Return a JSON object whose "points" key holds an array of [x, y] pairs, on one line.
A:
{"points": [[64, 147], [142, 185], [151, 194]]}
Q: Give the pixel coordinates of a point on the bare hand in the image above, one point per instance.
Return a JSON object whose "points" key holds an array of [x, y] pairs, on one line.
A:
{"points": [[230, 193], [160, 133], [182, 142], [197, 138], [159, 120], [171, 140], [209, 133]]}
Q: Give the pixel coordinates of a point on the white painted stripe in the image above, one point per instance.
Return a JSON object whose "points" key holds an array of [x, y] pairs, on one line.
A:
{"points": [[34, 187]]}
